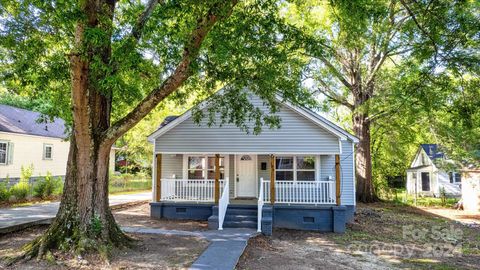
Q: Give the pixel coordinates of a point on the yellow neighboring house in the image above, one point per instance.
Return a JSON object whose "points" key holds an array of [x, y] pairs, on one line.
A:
{"points": [[25, 142]]}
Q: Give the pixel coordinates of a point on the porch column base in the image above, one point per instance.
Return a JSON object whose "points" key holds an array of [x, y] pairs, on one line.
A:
{"points": [[213, 219], [339, 219], [267, 220]]}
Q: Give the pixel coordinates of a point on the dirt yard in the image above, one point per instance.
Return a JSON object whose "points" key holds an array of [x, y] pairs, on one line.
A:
{"points": [[383, 236], [148, 252], [140, 216]]}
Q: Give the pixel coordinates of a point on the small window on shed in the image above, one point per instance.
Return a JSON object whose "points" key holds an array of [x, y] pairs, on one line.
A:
{"points": [[246, 157]]}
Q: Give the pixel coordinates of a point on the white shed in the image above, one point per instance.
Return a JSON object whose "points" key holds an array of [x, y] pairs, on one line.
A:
{"points": [[471, 190]]}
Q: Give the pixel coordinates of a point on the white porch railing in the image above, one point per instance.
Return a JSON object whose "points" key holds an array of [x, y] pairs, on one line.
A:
{"points": [[260, 207], [189, 190], [300, 192], [223, 204]]}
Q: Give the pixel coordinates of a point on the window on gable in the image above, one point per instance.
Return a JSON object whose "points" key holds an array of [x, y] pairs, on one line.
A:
{"points": [[3, 152], [47, 151]]}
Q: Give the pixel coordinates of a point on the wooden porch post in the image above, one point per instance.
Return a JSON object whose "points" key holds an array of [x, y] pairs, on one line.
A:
{"points": [[217, 178], [337, 178], [158, 178], [272, 179]]}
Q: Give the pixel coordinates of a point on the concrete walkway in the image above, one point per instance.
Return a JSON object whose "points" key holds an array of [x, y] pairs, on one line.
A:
{"points": [[224, 250], [17, 218]]}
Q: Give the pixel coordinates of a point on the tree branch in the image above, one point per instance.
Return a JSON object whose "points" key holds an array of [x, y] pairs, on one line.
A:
{"points": [[137, 29], [332, 95], [219, 11], [414, 18], [335, 72]]}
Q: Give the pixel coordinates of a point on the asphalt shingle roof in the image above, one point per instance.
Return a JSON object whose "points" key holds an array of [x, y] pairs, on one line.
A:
{"points": [[16, 120]]}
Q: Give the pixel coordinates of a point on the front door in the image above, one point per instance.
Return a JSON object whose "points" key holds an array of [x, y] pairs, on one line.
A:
{"points": [[246, 176], [425, 181]]}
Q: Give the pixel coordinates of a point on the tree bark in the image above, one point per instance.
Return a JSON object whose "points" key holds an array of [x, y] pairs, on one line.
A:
{"points": [[84, 221], [363, 157]]}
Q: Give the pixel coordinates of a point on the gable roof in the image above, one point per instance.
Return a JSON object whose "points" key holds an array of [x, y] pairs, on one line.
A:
{"points": [[20, 121], [172, 121], [432, 151]]}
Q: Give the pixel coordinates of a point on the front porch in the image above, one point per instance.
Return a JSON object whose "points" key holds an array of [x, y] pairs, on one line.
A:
{"points": [[301, 192]]}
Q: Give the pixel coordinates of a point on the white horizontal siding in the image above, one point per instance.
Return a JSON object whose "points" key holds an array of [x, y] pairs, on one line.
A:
{"points": [[297, 134]]}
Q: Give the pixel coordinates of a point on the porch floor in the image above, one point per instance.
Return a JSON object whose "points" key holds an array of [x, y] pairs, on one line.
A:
{"points": [[244, 201]]}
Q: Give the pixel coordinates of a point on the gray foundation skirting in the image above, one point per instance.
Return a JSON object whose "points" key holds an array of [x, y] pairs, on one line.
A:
{"points": [[171, 210], [325, 218]]}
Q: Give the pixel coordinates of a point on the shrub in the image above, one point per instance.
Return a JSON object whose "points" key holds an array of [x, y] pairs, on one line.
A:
{"points": [[39, 188], [20, 190], [47, 186], [4, 193], [58, 190], [26, 173]]}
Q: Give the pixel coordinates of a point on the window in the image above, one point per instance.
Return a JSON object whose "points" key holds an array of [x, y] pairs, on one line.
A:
{"points": [[203, 167], [455, 177], [284, 168], [296, 168], [47, 151], [3, 153], [196, 167], [305, 168], [211, 168]]}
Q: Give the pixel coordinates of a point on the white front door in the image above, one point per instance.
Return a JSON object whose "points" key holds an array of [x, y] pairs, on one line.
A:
{"points": [[246, 176]]}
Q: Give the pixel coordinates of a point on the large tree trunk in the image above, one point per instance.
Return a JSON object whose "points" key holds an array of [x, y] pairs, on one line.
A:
{"points": [[84, 221], [363, 159]]}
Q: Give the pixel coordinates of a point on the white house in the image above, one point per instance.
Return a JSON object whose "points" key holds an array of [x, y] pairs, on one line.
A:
{"points": [[24, 141], [431, 173], [299, 176]]}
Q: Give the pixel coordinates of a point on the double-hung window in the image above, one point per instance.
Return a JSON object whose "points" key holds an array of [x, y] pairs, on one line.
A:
{"points": [[305, 168], [196, 167], [284, 170], [3, 152], [295, 168], [47, 151], [455, 177], [203, 167], [211, 168]]}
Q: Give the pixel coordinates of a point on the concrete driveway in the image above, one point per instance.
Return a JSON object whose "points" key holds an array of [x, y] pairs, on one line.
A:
{"points": [[11, 218]]}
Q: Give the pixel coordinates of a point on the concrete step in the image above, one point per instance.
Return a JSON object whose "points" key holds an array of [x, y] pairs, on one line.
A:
{"points": [[240, 224], [241, 211], [240, 217]]}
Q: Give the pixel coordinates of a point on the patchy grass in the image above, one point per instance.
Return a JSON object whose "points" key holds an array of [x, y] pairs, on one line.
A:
{"points": [[382, 236], [123, 184], [400, 196]]}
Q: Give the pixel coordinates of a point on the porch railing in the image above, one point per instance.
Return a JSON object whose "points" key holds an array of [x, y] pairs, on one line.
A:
{"points": [[260, 207], [189, 190], [223, 204], [300, 192]]}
